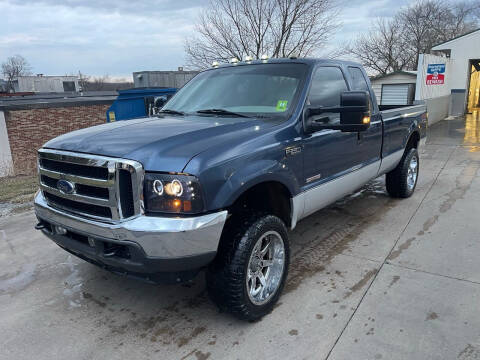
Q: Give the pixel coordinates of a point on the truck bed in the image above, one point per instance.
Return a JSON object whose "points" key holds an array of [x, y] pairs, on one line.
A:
{"points": [[391, 108], [393, 111]]}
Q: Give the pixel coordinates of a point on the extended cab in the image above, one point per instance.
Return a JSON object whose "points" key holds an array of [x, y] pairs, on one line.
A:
{"points": [[238, 156]]}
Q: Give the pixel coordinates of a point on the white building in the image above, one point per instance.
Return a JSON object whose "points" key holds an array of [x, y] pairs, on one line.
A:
{"points": [[449, 80], [464, 51], [44, 84], [396, 88]]}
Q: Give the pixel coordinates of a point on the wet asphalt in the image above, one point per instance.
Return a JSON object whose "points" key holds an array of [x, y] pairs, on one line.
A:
{"points": [[370, 278]]}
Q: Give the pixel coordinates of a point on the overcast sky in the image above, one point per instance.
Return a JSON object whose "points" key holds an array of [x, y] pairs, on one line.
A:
{"points": [[117, 37]]}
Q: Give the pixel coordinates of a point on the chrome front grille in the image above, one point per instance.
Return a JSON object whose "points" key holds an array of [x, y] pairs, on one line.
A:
{"points": [[102, 188]]}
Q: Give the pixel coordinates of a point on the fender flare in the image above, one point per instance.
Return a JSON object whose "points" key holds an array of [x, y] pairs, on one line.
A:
{"points": [[412, 133], [251, 175]]}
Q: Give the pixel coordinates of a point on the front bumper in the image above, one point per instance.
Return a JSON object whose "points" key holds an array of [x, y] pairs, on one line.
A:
{"points": [[141, 245]]}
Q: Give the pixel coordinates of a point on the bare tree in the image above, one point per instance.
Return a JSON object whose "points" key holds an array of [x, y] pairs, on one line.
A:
{"points": [[98, 83], [382, 49], [466, 16], [278, 28], [476, 14], [395, 44], [14, 67], [102, 83], [429, 22], [83, 81]]}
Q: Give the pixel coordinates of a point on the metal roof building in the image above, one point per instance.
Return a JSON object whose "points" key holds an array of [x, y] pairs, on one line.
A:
{"points": [[46, 84], [167, 79]]}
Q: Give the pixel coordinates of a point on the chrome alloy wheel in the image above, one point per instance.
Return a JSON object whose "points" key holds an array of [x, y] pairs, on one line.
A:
{"points": [[412, 172], [265, 267]]}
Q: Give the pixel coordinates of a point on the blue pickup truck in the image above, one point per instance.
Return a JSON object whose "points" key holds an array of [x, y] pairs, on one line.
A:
{"points": [[215, 181]]}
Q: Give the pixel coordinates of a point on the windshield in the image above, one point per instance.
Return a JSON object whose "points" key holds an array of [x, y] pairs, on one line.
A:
{"points": [[252, 90]]}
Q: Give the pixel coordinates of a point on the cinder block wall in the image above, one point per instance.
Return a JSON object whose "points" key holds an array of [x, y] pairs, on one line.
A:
{"points": [[437, 108], [29, 129]]}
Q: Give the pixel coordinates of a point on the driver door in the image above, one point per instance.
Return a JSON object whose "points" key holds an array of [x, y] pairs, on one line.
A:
{"points": [[328, 154]]}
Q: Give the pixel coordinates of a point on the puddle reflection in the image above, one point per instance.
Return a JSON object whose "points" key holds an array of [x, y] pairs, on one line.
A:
{"points": [[472, 129]]}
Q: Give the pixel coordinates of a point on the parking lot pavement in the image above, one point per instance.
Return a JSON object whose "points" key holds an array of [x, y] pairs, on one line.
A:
{"points": [[371, 278]]}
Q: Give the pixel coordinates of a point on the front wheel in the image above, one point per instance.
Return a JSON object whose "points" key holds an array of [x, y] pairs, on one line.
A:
{"points": [[249, 272], [402, 180]]}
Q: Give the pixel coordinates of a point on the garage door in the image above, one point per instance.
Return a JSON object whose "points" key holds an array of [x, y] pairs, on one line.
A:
{"points": [[394, 94]]}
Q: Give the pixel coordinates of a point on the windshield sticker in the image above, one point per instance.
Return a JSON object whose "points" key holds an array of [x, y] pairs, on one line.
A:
{"points": [[282, 105]]}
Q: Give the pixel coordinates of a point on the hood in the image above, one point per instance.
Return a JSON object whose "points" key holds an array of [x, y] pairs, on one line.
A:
{"points": [[166, 143]]}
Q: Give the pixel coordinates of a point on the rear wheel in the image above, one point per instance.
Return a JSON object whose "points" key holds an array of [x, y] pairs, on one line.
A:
{"points": [[402, 180], [249, 272]]}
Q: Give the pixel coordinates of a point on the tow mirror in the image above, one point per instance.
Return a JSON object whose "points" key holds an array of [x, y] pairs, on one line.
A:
{"points": [[354, 112]]}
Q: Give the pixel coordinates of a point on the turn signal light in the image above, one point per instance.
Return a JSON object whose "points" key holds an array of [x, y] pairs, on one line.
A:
{"points": [[187, 206], [366, 120]]}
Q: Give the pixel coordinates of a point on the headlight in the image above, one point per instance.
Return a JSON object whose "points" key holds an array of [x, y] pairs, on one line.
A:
{"points": [[166, 193]]}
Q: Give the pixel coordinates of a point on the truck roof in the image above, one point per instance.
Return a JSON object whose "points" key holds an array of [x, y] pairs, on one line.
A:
{"points": [[307, 61]]}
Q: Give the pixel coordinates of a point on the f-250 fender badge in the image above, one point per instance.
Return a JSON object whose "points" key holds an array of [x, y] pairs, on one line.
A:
{"points": [[312, 178], [293, 150]]}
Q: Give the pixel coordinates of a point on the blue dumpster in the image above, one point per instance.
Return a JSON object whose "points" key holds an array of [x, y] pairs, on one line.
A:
{"points": [[136, 103]]}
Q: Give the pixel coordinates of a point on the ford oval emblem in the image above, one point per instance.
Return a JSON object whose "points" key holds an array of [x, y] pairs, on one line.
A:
{"points": [[65, 187]]}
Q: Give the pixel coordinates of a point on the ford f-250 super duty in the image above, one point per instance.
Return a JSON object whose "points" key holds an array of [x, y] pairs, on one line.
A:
{"points": [[238, 156]]}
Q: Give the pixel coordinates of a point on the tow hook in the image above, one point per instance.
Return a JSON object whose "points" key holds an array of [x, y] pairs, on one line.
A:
{"points": [[40, 226], [112, 251]]}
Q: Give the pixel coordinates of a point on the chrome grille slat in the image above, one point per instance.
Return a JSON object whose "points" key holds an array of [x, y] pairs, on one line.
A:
{"points": [[77, 197], [77, 212], [77, 179], [91, 173]]}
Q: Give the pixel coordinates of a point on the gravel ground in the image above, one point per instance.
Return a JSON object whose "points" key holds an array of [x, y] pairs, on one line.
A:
{"points": [[16, 194]]}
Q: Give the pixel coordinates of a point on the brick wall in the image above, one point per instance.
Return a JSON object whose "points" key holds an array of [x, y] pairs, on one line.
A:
{"points": [[29, 129]]}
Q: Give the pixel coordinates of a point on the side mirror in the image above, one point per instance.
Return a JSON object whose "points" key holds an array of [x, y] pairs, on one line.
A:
{"points": [[354, 112]]}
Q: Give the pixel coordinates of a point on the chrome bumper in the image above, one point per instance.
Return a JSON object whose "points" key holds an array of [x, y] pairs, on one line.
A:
{"points": [[159, 237]]}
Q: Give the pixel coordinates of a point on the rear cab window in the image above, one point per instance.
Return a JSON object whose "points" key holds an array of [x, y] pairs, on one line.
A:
{"points": [[359, 82]]}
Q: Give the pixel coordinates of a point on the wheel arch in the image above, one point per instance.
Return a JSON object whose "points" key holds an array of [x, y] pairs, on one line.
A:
{"points": [[270, 196], [413, 140]]}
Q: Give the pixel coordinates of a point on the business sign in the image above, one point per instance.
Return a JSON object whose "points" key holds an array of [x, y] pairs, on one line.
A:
{"points": [[436, 74]]}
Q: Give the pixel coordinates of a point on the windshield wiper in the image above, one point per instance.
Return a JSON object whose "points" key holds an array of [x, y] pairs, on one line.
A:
{"points": [[173, 112], [221, 112]]}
